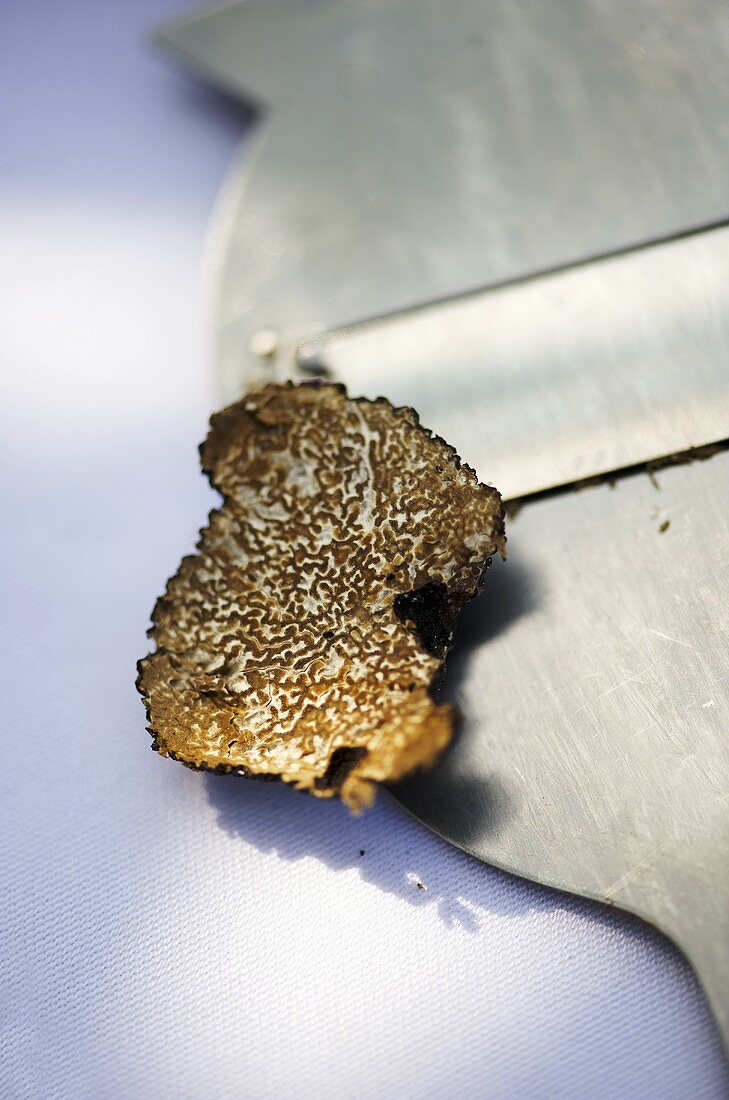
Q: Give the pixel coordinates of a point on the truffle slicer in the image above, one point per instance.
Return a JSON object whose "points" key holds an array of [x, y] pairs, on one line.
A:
{"points": [[514, 217]]}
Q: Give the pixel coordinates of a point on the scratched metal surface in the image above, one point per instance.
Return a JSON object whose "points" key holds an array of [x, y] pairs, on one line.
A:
{"points": [[593, 677], [400, 160]]}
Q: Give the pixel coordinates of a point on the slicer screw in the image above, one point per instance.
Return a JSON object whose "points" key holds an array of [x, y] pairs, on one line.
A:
{"points": [[264, 343]]}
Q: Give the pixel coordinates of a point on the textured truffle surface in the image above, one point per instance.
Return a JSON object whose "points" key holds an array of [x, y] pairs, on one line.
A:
{"points": [[303, 639]]}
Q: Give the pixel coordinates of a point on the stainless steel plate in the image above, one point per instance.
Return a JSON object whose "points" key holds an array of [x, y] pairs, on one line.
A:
{"points": [[410, 154], [407, 152]]}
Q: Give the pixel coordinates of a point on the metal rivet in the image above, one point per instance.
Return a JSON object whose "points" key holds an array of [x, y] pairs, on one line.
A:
{"points": [[264, 343]]}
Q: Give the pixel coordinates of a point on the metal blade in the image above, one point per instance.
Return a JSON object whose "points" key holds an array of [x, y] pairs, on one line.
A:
{"points": [[555, 379]]}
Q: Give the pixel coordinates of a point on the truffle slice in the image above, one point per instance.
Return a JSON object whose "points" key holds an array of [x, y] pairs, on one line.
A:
{"points": [[306, 637]]}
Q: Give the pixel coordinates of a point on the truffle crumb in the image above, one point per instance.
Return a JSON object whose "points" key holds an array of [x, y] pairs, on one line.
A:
{"points": [[305, 639]]}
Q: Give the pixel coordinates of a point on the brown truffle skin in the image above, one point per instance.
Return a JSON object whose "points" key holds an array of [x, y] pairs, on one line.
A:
{"points": [[303, 639]]}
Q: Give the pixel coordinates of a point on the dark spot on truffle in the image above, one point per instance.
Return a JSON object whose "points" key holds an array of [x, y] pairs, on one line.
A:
{"points": [[432, 611], [340, 765]]}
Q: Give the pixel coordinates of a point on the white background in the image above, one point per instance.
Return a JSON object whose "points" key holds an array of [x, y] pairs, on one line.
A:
{"points": [[165, 934]]}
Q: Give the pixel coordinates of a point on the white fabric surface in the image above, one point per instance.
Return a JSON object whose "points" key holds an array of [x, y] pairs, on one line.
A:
{"points": [[165, 934]]}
